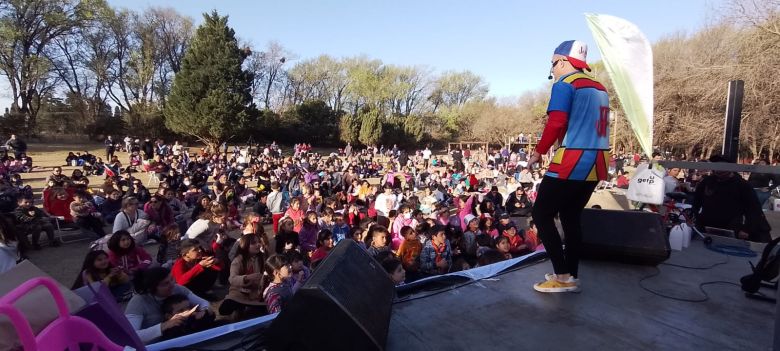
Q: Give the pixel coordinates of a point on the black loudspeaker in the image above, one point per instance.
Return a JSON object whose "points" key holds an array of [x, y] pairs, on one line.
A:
{"points": [[634, 237], [345, 305]]}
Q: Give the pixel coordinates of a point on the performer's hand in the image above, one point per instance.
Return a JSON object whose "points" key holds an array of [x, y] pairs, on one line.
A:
{"points": [[535, 156], [742, 235]]}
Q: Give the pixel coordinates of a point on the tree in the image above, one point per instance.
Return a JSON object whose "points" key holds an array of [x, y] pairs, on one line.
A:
{"points": [[80, 60], [27, 29], [349, 128], [312, 122], [456, 89], [271, 61], [414, 128], [370, 127], [210, 98]]}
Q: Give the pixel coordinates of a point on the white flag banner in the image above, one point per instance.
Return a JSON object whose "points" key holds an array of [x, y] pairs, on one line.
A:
{"points": [[628, 59]]}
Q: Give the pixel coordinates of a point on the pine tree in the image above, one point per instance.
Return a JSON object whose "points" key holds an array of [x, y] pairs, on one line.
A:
{"points": [[210, 98], [370, 127], [349, 128]]}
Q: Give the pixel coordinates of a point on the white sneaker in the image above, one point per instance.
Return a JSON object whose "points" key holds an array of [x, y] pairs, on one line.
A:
{"points": [[551, 276]]}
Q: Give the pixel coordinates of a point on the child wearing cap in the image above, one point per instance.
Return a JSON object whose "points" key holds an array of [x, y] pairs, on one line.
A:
{"points": [[469, 242]]}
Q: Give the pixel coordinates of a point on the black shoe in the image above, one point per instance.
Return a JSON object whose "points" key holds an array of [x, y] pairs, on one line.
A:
{"points": [[56, 243]]}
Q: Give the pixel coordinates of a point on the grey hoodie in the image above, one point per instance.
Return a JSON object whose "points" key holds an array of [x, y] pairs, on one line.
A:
{"points": [[9, 254]]}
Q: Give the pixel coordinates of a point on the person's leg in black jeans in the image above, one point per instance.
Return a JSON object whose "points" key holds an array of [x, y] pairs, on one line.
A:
{"points": [[22, 231], [567, 198], [570, 215], [549, 200], [93, 224]]}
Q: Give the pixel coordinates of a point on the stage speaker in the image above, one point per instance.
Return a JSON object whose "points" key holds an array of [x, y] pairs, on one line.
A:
{"points": [[634, 237], [345, 305]]}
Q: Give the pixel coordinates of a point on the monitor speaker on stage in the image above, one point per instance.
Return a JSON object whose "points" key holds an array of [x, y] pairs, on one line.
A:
{"points": [[634, 237], [345, 305]]}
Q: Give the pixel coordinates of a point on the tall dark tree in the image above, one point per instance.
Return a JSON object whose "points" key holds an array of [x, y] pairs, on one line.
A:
{"points": [[210, 98]]}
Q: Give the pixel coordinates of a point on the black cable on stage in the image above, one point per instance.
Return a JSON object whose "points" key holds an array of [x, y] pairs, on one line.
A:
{"points": [[701, 286]]}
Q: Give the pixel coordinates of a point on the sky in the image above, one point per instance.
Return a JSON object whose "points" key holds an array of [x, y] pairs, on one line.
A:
{"points": [[508, 43]]}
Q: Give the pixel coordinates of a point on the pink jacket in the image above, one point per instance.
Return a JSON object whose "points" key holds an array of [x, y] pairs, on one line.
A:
{"points": [[465, 211], [131, 262]]}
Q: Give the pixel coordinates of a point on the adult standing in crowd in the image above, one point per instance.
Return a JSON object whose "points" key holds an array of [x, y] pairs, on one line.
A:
{"points": [[148, 149], [110, 147], [578, 118]]}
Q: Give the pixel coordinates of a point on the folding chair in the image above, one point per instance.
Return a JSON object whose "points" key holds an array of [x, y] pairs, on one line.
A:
{"points": [[152, 179], [71, 232]]}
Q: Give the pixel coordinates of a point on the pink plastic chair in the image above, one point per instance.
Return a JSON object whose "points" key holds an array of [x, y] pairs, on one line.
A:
{"points": [[64, 333]]}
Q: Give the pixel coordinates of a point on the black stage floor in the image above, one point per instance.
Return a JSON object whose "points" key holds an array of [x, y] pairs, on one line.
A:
{"points": [[611, 313]]}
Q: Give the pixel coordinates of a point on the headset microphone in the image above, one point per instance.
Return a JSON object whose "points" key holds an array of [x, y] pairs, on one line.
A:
{"points": [[550, 77]]}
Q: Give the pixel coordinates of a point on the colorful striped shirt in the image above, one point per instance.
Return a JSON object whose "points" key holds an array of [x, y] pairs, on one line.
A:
{"points": [[584, 152]]}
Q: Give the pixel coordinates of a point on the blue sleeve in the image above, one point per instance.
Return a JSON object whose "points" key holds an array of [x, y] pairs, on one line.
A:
{"points": [[561, 97]]}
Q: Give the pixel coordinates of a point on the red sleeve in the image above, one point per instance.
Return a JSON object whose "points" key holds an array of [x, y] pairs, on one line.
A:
{"points": [[554, 130], [183, 277]]}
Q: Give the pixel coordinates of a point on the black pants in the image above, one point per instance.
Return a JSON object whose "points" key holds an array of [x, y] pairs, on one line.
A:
{"points": [[565, 198], [34, 229], [203, 282], [91, 223], [229, 306]]}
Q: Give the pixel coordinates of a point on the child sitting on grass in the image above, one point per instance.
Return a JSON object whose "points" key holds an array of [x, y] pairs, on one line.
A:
{"points": [[503, 247], [409, 252], [376, 240], [98, 268], [124, 254], [281, 289], [340, 228], [170, 245], [324, 245], [299, 272], [436, 255], [358, 234], [395, 270]]}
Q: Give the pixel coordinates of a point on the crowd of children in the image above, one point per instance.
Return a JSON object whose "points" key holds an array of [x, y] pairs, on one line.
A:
{"points": [[208, 211]]}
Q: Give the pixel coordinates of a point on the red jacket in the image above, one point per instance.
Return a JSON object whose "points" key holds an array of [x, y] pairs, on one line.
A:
{"points": [[183, 276], [515, 245], [319, 254], [57, 207]]}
